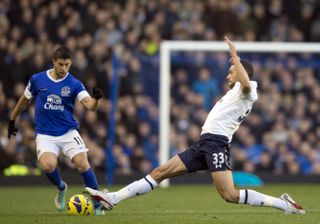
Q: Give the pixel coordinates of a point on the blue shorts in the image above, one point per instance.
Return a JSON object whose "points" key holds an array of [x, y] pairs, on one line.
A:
{"points": [[211, 152]]}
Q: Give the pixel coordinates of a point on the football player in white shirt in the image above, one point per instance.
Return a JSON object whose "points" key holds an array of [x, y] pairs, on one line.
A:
{"points": [[212, 151]]}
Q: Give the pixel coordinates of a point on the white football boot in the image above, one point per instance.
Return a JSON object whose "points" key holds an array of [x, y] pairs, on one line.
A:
{"points": [[101, 197], [293, 207]]}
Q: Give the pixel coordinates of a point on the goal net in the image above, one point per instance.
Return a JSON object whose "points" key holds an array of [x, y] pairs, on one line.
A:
{"points": [[292, 57]]}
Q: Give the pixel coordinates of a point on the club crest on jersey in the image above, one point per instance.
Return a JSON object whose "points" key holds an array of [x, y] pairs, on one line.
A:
{"points": [[53, 103], [65, 91]]}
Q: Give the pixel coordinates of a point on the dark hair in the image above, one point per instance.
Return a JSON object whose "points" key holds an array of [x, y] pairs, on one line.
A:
{"points": [[248, 67], [62, 53]]}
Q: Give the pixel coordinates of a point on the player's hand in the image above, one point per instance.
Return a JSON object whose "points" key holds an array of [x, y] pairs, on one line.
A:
{"points": [[97, 93], [12, 130], [232, 49]]}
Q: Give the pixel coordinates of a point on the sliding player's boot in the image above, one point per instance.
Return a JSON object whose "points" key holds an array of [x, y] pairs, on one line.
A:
{"points": [[293, 207], [101, 197]]}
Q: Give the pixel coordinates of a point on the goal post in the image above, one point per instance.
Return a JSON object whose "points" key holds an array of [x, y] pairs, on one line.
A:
{"points": [[217, 46]]}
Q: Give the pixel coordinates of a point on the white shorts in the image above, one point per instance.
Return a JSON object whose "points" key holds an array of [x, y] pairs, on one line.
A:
{"points": [[70, 144]]}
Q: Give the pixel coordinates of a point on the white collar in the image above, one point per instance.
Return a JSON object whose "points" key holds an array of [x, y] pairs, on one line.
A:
{"points": [[55, 80]]}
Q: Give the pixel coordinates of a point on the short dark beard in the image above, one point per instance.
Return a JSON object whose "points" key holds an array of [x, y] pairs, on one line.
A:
{"points": [[232, 85], [58, 74]]}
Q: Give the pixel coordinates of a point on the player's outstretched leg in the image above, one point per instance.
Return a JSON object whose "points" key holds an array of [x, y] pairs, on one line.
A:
{"points": [[174, 167], [284, 203], [109, 199], [224, 183]]}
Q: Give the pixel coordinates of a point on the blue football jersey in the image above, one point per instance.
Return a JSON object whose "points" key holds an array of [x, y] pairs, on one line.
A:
{"points": [[55, 101]]}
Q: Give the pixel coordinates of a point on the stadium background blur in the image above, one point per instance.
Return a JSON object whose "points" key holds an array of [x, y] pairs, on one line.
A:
{"points": [[280, 136]]}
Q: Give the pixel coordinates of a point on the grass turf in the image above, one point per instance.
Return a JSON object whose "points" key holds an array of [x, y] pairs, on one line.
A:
{"points": [[177, 204]]}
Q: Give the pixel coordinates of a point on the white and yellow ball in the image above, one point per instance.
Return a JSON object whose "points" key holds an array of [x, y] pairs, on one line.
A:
{"points": [[79, 205]]}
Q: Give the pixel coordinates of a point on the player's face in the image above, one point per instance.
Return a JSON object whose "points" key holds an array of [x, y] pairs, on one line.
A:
{"points": [[231, 77], [61, 66]]}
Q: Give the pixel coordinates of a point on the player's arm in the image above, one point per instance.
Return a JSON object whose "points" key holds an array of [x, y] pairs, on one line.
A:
{"points": [[241, 74], [18, 109], [92, 103]]}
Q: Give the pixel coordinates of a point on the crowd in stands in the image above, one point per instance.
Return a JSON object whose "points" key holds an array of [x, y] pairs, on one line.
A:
{"points": [[281, 134]]}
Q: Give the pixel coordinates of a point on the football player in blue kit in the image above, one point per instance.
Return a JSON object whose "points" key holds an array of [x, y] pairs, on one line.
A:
{"points": [[55, 91], [212, 152]]}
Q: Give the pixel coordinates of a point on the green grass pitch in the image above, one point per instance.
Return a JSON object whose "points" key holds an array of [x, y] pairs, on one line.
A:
{"points": [[177, 204]]}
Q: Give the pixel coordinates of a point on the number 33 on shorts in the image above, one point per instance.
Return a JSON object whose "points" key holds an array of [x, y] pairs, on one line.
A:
{"points": [[218, 159]]}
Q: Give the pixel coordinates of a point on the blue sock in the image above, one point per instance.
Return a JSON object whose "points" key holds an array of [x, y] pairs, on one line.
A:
{"points": [[90, 180], [55, 178]]}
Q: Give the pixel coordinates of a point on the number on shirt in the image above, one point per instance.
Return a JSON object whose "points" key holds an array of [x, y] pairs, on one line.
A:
{"points": [[241, 118]]}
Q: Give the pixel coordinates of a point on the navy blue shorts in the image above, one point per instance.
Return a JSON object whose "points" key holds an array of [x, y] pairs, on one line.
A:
{"points": [[211, 152]]}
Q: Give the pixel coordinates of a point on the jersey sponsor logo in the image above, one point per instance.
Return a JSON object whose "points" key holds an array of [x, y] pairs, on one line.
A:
{"points": [[53, 103], [65, 91]]}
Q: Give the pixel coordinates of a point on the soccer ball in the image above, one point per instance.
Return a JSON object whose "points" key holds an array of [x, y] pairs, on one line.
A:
{"points": [[79, 205]]}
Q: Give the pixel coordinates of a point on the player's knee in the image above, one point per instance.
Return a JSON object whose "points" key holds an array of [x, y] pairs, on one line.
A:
{"points": [[158, 174], [48, 166], [82, 167], [81, 163]]}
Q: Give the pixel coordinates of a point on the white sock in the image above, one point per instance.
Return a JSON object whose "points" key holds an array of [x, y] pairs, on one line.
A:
{"points": [[136, 188], [257, 199]]}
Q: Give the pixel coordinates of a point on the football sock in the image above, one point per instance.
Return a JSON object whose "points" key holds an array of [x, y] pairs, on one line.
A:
{"points": [[55, 178], [136, 188], [90, 180], [257, 199]]}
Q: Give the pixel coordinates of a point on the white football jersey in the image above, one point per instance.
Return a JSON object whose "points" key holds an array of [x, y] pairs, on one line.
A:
{"points": [[227, 114]]}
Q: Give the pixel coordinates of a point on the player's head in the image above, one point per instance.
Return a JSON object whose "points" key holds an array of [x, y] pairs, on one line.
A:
{"points": [[62, 60], [231, 79]]}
